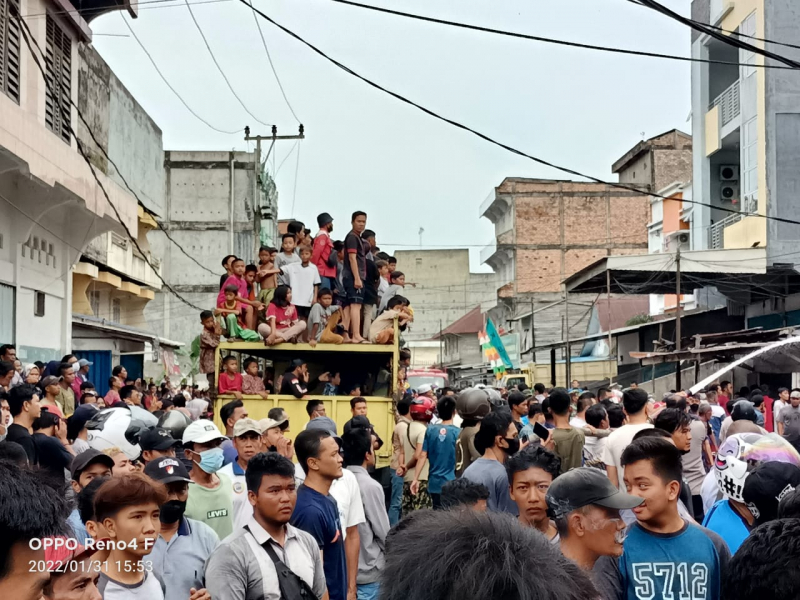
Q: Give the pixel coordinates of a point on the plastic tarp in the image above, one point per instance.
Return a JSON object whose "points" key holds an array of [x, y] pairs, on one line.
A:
{"points": [[778, 357]]}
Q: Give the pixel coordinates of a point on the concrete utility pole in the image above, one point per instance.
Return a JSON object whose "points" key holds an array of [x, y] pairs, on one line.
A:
{"points": [[257, 139]]}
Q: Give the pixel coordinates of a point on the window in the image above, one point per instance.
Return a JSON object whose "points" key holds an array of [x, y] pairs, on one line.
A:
{"points": [[116, 310], [9, 48], [94, 302], [59, 80], [7, 312], [38, 304]]}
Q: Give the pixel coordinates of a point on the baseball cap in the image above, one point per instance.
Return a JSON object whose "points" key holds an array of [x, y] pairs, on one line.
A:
{"points": [[157, 438], [167, 470], [324, 424], [267, 424], [766, 485], [584, 486], [48, 381], [86, 458], [85, 363], [247, 425], [201, 431]]}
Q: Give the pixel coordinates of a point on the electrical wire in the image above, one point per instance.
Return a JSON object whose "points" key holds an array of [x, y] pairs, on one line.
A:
{"points": [[288, 154], [546, 40], [735, 42], [491, 140], [30, 41], [219, 68], [730, 31], [272, 65], [169, 85]]}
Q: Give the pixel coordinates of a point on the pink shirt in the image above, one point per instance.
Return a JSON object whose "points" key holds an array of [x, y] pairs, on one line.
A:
{"points": [[226, 384], [284, 317], [240, 284]]}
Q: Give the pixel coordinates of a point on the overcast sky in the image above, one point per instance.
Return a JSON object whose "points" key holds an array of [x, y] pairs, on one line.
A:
{"points": [[365, 150]]}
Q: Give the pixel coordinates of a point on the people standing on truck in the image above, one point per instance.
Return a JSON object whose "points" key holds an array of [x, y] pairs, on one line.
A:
{"points": [[267, 274], [251, 307], [303, 279], [397, 281], [371, 283], [323, 255], [354, 274]]}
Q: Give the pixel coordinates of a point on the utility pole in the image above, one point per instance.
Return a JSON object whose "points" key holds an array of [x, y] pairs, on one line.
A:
{"points": [[568, 361], [257, 139], [610, 340], [678, 316]]}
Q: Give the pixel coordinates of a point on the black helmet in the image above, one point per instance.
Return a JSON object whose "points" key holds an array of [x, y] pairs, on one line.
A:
{"points": [[495, 398], [473, 404], [744, 410], [175, 422]]}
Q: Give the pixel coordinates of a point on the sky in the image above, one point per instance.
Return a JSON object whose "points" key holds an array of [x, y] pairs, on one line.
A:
{"points": [[368, 151]]}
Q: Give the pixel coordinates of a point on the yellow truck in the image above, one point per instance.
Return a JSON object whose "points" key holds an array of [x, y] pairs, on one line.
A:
{"points": [[581, 369], [362, 361]]}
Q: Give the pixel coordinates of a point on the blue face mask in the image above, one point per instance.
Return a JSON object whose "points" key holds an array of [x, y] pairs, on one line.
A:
{"points": [[211, 460]]}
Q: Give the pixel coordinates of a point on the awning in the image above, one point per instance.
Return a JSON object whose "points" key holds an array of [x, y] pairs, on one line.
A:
{"points": [[656, 273], [120, 331], [780, 357]]}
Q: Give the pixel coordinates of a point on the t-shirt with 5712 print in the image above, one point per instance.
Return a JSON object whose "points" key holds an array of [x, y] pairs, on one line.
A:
{"points": [[284, 317]]}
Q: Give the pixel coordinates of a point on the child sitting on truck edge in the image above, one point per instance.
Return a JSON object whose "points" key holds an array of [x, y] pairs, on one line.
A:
{"points": [[231, 311], [251, 382], [382, 330], [323, 320], [283, 324]]}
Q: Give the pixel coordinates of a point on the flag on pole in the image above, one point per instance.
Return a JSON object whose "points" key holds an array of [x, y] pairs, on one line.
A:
{"points": [[493, 350]]}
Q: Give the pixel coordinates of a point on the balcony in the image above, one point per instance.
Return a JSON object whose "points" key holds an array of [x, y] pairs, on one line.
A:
{"points": [[729, 104], [723, 120], [718, 230]]}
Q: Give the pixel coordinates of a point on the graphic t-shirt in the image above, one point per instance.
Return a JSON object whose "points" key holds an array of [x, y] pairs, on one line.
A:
{"points": [[440, 444], [685, 564], [284, 316], [318, 515], [723, 520], [214, 507]]}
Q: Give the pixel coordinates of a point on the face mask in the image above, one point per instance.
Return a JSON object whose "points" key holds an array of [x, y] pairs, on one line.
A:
{"points": [[172, 511], [211, 460], [513, 445]]}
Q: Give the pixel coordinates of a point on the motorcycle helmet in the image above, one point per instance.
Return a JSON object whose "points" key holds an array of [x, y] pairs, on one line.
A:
{"points": [[175, 422], [495, 398], [473, 404], [115, 427], [422, 409], [744, 410]]}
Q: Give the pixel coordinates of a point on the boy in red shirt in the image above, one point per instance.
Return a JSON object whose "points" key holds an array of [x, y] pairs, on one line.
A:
{"points": [[230, 380]]}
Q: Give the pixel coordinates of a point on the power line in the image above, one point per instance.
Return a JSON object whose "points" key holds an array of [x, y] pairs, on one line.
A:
{"points": [[737, 43], [546, 40], [169, 85], [730, 31], [28, 37], [288, 154], [219, 68], [491, 140], [272, 65]]}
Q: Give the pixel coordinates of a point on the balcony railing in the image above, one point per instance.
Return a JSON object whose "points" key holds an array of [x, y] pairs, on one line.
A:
{"points": [[718, 229], [728, 102]]}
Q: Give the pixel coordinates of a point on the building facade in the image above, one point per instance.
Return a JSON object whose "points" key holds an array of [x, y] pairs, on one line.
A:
{"points": [[442, 289], [214, 205], [52, 206], [746, 131]]}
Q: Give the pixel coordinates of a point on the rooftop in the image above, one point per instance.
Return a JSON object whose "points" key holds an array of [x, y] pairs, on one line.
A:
{"points": [[472, 322], [657, 141]]}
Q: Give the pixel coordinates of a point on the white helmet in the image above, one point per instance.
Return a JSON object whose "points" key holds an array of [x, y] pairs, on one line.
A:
{"points": [[115, 427]]}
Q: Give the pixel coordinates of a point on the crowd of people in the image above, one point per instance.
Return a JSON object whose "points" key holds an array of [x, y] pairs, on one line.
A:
{"points": [[492, 493]]}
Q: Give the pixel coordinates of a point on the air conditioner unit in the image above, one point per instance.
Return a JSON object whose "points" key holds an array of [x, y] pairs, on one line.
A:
{"points": [[729, 172], [729, 192], [675, 239]]}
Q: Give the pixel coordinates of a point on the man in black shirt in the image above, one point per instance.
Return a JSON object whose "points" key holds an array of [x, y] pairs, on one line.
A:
{"points": [[295, 380], [52, 446], [23, 401], [354, 274]]}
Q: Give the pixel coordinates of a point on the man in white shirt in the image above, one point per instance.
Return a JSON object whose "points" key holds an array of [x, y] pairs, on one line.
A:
{"points": [[634, 402], [585, 400], [247, 442], [779, 405]]}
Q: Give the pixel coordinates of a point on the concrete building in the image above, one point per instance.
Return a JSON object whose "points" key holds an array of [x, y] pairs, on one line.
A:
{"points": [[547, 230], [214, 205], [445, 289], [52, 206], [746, 131]]}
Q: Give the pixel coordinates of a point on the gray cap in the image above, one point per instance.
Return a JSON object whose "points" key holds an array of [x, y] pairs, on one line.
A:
{"points": [[324, 424], [584, 486]]}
